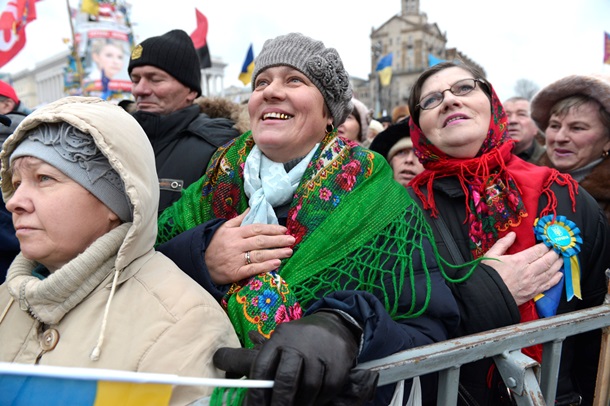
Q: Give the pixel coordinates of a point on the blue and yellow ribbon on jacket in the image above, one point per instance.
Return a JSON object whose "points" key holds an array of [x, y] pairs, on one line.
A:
{"points": [[563, 236]]}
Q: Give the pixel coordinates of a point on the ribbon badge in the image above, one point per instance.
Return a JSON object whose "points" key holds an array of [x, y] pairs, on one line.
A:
{"points": [[563, 236]]}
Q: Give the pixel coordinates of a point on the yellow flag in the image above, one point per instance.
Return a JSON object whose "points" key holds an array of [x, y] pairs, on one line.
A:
{"points": [[90, 7]]}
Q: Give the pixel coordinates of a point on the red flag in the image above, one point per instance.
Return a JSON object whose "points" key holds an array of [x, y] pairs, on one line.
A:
{"points": [[199, 37], [17, 14], [14, 18]]}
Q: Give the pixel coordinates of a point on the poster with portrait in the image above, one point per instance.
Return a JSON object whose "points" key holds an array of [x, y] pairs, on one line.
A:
{"points": [[106, 50]]}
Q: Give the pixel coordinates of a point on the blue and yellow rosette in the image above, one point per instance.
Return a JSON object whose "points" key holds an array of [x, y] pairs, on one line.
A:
{"points": [[563, 236]]}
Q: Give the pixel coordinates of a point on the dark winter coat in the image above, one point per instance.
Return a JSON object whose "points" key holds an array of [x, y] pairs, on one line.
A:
{"points": [[184, 142], [485, 302], [9, 245]]}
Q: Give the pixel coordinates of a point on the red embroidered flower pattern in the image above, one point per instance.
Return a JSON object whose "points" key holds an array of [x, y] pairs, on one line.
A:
{"points": [[230, 196], [298, 231], [347, 178]]}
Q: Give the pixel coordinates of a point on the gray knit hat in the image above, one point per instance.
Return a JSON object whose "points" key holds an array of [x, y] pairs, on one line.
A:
{"points": [[321, 65], [75, 154]]}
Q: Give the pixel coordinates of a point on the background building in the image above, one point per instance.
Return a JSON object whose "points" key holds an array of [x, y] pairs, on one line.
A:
{"points": [[415, 44]]}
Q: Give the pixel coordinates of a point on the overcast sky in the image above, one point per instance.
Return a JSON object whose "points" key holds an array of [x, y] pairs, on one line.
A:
{"points": [[539, 40]]}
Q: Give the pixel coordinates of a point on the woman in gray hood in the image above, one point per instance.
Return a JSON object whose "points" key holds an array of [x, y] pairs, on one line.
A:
{"points": [[88, 289]]}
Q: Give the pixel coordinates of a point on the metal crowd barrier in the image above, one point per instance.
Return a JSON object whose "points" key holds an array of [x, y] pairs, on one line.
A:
{"points": [[529, 383]]}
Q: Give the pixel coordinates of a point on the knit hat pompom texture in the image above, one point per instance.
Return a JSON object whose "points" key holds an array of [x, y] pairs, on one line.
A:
{"points": [[75, 154], [321, 65], [172, 52], [595, 86]]}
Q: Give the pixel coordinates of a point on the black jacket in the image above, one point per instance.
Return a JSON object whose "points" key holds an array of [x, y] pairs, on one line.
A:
{"points": [[183, 142], [485, 302]]}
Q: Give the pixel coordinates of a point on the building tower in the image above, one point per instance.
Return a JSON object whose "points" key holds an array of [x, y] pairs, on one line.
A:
{"points": [[415, 45]]}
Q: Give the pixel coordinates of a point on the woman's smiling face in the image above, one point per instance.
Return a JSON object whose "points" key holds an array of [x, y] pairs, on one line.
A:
{"points": [[459, 125], [577, 138], [287, 113]]}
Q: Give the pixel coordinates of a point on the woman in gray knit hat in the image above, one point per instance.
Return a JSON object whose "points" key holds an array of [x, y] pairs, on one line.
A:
{"points": [[307, 241], [88, 289]]}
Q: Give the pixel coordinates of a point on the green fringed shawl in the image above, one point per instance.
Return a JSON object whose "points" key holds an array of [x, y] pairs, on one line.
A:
{"points": [[355, 227]]}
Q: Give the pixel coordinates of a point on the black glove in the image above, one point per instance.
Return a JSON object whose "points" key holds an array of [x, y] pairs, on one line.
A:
{"points": [[309, 359]]}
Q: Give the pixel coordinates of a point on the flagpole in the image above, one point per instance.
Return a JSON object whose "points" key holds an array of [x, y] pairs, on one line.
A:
{"points": [[79, 65]]}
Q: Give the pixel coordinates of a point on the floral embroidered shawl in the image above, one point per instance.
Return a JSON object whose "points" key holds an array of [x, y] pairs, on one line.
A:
{"points": [[348, 216]]}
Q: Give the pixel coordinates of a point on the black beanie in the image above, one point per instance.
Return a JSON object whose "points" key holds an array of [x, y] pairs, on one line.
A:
{"points": [[172, 52]]}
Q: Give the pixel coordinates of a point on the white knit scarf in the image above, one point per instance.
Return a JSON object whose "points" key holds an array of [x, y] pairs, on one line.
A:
{"points": [[267, 185]]}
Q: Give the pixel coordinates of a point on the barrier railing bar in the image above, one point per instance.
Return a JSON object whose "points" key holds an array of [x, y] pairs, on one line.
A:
{"points": [[456, 352], [448, 384], [551, 358]]}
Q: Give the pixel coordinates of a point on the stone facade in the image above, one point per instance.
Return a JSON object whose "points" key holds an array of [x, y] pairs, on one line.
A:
{"points": [[415, 43]]}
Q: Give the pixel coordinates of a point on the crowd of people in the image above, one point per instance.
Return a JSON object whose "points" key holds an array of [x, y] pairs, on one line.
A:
{"points": [[298, 236]]}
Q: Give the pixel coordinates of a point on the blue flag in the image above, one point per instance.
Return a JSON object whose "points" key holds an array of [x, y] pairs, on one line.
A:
{"points": [[433, 60]]}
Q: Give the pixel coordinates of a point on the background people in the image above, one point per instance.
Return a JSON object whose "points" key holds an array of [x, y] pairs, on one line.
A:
{"points": [[523, 129], [166, 80], [13, 108], [9, 245], [396, 146], [88, 279], [277, 231], [400, 113], [356, 125], [575, 114], [490, 202], [375, 127], [12, 112]]}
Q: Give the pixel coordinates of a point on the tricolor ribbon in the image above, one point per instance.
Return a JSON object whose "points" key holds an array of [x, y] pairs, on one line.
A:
{"points": [[563, 236]]}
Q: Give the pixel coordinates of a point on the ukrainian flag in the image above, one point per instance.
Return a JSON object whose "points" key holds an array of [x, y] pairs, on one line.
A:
{"points": [[26, 385], [384, 69], [53, 386], [548, 302], [246, 70]]}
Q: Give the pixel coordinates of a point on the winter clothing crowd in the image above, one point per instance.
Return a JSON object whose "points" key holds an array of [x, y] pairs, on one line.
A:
{"points": [[297, 237]]}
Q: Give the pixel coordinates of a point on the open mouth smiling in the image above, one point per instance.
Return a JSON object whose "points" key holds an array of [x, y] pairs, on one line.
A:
{"points": [[454, 118], [276, 116]]}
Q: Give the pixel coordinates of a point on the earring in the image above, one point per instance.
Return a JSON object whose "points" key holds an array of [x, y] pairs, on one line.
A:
{"points": [[332, 128], [605, 154]]}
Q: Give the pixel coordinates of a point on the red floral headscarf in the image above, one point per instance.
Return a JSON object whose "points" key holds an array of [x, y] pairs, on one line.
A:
{"points": [[500, 188]]}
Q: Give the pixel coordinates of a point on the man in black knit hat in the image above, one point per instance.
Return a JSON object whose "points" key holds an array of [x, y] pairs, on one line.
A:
{"points": [[166, 79]]}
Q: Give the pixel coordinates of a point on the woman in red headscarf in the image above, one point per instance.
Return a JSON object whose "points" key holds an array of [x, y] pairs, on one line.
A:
{"points": [[531, 222]]}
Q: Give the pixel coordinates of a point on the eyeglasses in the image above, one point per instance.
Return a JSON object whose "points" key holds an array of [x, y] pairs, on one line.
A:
{"points": [[459, 88]]}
